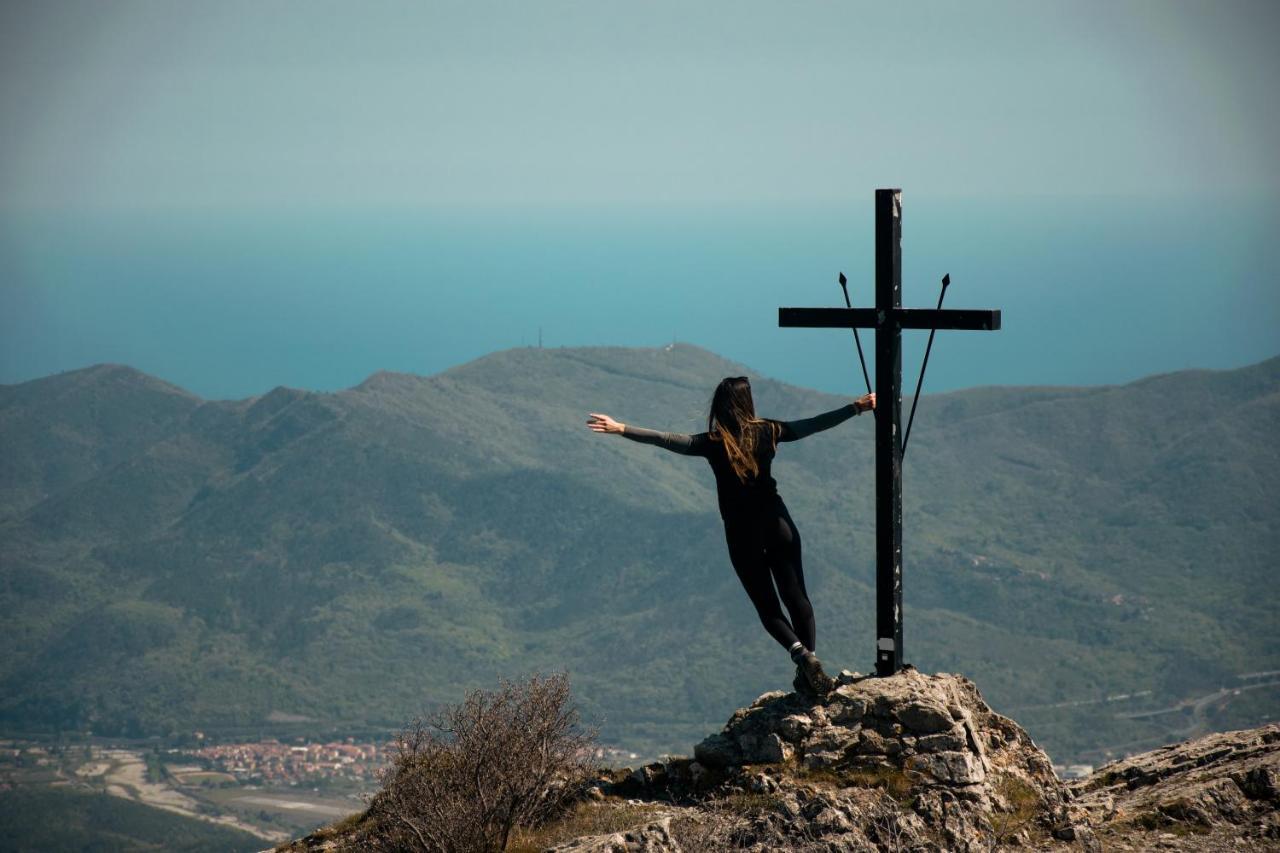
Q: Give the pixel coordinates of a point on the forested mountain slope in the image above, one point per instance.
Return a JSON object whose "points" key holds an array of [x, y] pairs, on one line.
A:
{"points": [[172, 563]]}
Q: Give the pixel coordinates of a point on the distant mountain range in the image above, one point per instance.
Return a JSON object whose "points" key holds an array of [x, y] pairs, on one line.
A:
{"points": [[171, 563]]}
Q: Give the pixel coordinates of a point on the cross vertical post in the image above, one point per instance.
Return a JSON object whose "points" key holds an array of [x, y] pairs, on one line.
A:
{"points": [[888, 319], [888, 249]]}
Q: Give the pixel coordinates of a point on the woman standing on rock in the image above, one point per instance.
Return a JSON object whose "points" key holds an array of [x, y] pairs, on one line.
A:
{"points": [[764, 545]]}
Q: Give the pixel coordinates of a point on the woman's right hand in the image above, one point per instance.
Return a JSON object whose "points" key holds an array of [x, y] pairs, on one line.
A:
{"points": [[865, 403], [604, 423]]}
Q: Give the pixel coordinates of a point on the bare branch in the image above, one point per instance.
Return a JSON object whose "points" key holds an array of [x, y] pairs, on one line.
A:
{"points": [[462, 778]]}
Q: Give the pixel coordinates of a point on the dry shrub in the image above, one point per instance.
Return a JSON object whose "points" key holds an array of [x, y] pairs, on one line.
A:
{"points": [[462, 779]]}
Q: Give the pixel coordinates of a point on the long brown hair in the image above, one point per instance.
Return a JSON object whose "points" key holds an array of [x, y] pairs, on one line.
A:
{"points": [[733, 420]]}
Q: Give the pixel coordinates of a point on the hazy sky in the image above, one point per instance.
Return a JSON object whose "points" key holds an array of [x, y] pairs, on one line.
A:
{"points": [[115, 104], [236, 195]]}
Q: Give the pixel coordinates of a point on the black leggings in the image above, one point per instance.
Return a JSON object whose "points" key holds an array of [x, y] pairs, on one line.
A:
{"points": [[765, 550]]}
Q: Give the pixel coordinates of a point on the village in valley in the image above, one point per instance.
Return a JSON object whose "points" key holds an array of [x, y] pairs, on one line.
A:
{"points": [[273, 762], [274, 788], [270, 788]]}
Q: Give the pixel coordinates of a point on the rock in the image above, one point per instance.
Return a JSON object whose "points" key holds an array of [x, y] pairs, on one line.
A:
{"points": [[830, 739], [767, 698], [789, 806], [1218, 786], [1088, 842], [717, 750], [763, 748], [649, 775], [794, 727], [1261, 783], [871, 743], [817, 760], [946, 741], [848, 710], [761, 783], [829, 821], [651, 838], [925, 718], [953, 768]]}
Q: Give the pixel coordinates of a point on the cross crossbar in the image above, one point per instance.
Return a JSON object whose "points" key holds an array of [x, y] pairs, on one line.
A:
{"points": [[973, 319]]}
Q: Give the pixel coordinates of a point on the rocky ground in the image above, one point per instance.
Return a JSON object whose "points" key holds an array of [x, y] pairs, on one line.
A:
{"points": [[916, 762], [909, 762], [1218, 792]]}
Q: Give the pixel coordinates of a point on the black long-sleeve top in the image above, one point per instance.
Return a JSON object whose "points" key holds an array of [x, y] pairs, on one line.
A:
{"points": [[738, 499]]}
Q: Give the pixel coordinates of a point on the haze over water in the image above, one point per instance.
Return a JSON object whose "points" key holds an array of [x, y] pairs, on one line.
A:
{"points": [[226, 306]]}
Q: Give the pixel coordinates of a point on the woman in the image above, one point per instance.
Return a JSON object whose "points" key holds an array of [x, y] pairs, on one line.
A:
{"points": [[764, 545]]}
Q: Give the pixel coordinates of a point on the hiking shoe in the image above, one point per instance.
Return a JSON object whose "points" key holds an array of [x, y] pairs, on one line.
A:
{"points": [[801, 684], [810, 669]]}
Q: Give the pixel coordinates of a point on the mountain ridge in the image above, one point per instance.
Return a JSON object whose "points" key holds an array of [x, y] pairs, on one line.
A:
{"points": [[117, 368], [470, 520]]}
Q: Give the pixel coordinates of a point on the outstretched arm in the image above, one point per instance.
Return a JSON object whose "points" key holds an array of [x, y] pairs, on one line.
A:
{"points": [[677, 442], [796, 430]]}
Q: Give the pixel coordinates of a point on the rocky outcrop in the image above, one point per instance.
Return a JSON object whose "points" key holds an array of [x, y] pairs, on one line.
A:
{"points": [[1221, 791], [909, 762], [914, 762], [918, 762]]}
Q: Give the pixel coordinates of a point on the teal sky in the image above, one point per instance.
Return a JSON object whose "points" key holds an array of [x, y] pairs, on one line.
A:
{"points": [[249, 104], [238, 195]]}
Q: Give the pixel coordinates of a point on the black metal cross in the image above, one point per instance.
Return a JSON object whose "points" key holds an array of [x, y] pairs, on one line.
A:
{"points": [[888, 318]]}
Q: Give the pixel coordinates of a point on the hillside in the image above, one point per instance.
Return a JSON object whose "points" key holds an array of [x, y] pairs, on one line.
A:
{"points": [[172, 563]]}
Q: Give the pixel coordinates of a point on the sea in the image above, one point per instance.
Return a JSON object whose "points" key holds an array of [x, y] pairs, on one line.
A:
{"points": [[229, 304]]}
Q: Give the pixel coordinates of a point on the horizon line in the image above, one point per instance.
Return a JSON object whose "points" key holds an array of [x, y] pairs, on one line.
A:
{"points": [[551, 349]]}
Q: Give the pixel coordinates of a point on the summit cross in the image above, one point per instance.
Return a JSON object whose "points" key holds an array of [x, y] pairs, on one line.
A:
{"points": [[888, 319]]}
